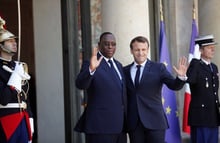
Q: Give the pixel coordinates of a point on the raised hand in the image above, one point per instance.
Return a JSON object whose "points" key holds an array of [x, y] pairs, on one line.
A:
{"points": [[94, 62], [182, 67]]}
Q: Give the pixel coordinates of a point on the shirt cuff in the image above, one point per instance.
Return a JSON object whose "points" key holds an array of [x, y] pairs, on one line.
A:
{"points": [[90, 71], [183, 78]]}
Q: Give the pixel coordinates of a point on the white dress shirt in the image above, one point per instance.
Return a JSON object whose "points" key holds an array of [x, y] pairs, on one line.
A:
{"points": [[134, 70]]}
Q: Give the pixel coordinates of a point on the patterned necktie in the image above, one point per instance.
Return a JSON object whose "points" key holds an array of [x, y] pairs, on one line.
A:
{"points": [[137, 76]]}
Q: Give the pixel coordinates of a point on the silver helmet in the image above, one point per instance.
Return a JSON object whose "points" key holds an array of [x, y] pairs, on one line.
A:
{"points": [[5, 35]]}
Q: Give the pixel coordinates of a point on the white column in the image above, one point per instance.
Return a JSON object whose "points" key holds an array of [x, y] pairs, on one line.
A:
{"points": [[209, 19], [126, 19], [49, 71]]}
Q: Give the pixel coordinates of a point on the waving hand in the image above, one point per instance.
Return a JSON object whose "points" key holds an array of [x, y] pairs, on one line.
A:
{"points": [[94, 62]]}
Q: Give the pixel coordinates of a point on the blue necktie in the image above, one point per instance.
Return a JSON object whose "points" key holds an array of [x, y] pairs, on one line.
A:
{"points": [[137, 76]]}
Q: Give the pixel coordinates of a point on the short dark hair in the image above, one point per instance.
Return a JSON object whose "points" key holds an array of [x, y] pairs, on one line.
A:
{"points": [[103, 34], [141, 39]]}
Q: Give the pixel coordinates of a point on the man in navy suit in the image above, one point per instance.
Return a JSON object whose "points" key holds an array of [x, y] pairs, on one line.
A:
{"points": [[147, 121], [102, 77]]}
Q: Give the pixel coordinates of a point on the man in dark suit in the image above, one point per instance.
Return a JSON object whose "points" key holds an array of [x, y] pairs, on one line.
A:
{"points": [[202, 74], [102, 78], [147, 121]]}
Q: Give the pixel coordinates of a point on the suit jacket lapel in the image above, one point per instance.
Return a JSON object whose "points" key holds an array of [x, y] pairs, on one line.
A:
{"points": [[127, 71], [205, 66], [119, 68], [103, 63], [146, 69]]}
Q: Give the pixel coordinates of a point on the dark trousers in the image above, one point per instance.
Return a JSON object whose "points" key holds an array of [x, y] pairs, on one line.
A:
{"points": [[19, 136], [204, 135], [143, 135], [106, 138]]}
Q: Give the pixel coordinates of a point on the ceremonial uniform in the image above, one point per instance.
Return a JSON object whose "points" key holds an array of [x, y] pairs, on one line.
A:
{"points": [[203, 77], [204, 84], [11, 115], [15, 124]]}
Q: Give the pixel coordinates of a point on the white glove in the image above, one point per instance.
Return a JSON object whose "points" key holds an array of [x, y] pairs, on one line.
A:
{"points": [[20, 70], [31, 120], [17, 76]]}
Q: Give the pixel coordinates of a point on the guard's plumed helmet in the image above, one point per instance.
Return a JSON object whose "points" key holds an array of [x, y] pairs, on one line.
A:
{"points": [[5, 34]]}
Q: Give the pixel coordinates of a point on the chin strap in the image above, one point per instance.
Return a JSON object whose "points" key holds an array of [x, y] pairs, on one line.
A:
{"points": [[6, 50]]}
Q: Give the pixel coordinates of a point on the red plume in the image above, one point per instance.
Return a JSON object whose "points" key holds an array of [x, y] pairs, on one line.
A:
{"points": [[3, 18]]}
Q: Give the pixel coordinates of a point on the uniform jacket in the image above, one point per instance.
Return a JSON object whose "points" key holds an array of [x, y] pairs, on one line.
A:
{"points": [[106, 105], [204, 84], [9, 95], [145, 102]]}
